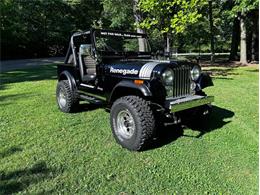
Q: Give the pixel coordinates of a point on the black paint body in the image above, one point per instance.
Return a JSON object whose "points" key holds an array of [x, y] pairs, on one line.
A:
{"points": [[108, 85]]}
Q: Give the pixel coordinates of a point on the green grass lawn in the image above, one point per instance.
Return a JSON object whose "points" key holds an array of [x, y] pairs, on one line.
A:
{"points": [[45, 151]]}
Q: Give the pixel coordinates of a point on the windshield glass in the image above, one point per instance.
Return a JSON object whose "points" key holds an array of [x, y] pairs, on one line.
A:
{"points": [[118, 42]]}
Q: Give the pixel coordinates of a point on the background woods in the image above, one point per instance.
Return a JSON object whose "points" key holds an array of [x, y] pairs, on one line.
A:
{"points": [[42, 28]]}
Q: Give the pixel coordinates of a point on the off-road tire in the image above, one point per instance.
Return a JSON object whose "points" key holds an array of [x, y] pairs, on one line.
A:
{"points": [[72, 100], [143, 119]]}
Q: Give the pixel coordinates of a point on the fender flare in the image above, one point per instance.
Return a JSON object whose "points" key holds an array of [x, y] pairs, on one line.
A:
{"points": [[65, 75], [143, 89], [205, 80]]}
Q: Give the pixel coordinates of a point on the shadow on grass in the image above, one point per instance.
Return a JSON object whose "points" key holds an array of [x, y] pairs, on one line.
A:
{"points": [[254, 70], [221, 73], [19, 180], [45, 72], [171, 133], [218, 118], [8, 99], [10, 151], [223, 78], [84, 107]]}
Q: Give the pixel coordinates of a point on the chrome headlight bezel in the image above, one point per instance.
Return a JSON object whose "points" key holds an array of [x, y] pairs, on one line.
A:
{"points": [[167, 77], [195, 72]]}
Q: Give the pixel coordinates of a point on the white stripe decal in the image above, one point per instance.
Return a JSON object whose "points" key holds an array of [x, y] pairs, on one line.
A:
{"points": [[146, 70], [142, 71]]}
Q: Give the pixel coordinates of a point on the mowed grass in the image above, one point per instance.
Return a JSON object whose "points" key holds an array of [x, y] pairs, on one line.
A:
{"points": [[43, 150]]}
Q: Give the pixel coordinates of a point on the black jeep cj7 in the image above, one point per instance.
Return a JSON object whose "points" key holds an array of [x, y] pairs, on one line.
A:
{"points": [[117, 69]]}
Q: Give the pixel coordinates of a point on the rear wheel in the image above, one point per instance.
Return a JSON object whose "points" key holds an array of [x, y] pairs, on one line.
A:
{"points": [[132, 122], [67, 99]]}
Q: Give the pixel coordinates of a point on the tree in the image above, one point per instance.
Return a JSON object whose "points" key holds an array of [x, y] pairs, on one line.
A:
{"points": [[118, 14], [34, 28], [169, 17], [241, 9], [42, 28], [252, 35], [235, 39], [212, 49], [138, 18], [243, 48], [123, 15]]}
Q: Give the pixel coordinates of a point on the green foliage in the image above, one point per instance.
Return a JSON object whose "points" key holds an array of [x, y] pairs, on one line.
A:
{"points": [[155, 39], [243, 6], [36, 28], [118, 14], [170, 16], [33, 25], [40, 28], [45, 151], [197, 35], [131, 45]]}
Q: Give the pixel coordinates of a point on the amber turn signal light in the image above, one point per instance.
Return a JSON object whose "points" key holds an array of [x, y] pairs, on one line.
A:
{"points": [[138, 82]]}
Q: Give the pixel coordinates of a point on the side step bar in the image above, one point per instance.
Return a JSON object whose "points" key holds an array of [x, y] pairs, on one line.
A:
{"points": [[91, 99]]}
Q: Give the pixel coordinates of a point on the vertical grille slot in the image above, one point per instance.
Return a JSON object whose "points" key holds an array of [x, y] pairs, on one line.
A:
{"points": [[182, 81]]}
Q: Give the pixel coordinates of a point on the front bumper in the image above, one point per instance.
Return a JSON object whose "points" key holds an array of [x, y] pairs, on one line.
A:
{"points": [[188, 102]]}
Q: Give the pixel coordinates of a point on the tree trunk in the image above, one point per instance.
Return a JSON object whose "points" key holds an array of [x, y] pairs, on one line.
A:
{"points": [[254, 47], [235, 39], [212, 48], [168, 48], [138, 18], [167, 41], [249, 37], [243, 52]]}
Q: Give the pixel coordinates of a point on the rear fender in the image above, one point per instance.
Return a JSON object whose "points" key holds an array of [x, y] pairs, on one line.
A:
{"points": [[65, 75]]}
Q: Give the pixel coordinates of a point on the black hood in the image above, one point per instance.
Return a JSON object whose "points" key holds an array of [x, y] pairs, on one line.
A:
{"points": [[141, 69]]}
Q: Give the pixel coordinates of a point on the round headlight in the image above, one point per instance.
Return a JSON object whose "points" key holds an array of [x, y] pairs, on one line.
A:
{"points": [[195, 73], [167, 76]]}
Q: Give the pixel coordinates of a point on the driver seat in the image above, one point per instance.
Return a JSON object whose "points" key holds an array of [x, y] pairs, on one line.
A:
{"points": [[87, 64]]}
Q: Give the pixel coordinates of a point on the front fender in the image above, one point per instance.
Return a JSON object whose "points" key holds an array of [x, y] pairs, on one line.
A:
{"points": [[125, 87], [205, 80]]}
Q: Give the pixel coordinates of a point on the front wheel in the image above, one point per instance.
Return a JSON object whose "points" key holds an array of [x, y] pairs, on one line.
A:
{"points": [[132, 122]]}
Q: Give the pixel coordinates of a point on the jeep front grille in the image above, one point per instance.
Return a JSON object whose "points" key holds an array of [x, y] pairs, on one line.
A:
{"points": [[182, 81]]}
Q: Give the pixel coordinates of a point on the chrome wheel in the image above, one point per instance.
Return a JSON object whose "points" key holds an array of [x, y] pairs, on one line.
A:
{"points": [[125, 125], [62, 98]]}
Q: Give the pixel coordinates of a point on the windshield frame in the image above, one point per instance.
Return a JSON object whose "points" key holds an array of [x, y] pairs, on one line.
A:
{"points": [[114, 33]]}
